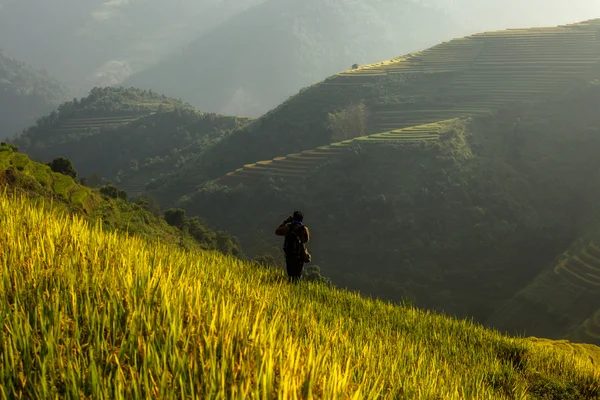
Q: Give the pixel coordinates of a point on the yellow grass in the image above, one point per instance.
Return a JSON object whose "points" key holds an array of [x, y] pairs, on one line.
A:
{"points": [[84, 313]]}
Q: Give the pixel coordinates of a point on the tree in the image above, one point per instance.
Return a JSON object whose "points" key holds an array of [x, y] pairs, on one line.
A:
{"points": [[348, 123], [113, 192], [176, 217], [149, 203], [64, 166]]}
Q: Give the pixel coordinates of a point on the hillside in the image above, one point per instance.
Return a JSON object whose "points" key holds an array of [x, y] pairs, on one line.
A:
{"points": [[458, 215], [142, 133], [25, 94], [96, 314], [476, 170], [463, 77], [21, 176], [257, 59], [100, 43]]}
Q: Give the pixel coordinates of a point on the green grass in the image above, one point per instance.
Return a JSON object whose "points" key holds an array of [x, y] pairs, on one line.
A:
{"points": [[92, 314], [20, 175]]}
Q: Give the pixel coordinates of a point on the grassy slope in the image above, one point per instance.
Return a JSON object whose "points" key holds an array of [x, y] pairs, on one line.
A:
{"points": [[99, 314], [460, 224], [21, 175], [25, 94]]}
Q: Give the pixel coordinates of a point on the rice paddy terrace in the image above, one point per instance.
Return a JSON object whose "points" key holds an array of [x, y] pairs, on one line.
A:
{"points": [[78, 125], [465, 77], [300, 164], [582, 271], [478, 73]]}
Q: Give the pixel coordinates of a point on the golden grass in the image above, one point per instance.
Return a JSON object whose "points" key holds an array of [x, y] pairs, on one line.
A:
{"points": [[85, 313]]}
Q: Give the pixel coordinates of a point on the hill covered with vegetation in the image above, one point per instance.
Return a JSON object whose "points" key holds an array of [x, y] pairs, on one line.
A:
{"points": [[106, 205], [127, 136], [100, 314], [260, 57], [455, 176], [25, 94]]}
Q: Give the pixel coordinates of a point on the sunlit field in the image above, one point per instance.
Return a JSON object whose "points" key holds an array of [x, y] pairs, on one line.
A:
{"points": [[91, 314]]}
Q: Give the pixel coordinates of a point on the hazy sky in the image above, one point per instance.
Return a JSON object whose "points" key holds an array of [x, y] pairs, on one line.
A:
{"points": [[498, 14]]}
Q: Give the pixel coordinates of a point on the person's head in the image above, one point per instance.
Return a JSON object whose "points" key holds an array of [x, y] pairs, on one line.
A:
{"points": [[298, 216]]}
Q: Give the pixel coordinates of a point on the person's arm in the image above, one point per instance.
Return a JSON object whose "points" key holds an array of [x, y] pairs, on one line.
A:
{"points": [[306, 234], [284, 228]]}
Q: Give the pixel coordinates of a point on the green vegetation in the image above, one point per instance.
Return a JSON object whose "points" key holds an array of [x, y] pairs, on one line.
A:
{"points": [[108, 204], [466, 77], [457, 216], [476, 168], [64, 166], [127, 136], [96, 314], [25, 93]]}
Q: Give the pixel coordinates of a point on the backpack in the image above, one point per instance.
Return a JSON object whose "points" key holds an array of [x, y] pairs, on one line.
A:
{"points": [[293, 247]]}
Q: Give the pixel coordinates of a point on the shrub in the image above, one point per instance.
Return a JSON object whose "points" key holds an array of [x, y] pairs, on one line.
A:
{"points": [[11, 146], [113, 192], [313, 274], [176, 217], [149, 203], [348, 123], [265, 261], [64, 166]]}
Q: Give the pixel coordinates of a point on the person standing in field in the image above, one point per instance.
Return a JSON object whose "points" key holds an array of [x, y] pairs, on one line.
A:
{"points": [[294, 246]]}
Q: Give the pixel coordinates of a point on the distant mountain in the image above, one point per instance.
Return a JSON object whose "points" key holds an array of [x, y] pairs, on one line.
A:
{"points": [[98, 43], [25, 94], [128, 136], [260, 57]]}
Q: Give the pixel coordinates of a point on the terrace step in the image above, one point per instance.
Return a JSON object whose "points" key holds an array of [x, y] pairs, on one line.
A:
{"points": [[283, 168]]}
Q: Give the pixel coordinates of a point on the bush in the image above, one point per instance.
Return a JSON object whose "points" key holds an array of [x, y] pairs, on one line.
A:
{"points": [[11, 146], [113, 192], [176, 217], [149, 203], [64, 166], [265, 261], [313, 274]]}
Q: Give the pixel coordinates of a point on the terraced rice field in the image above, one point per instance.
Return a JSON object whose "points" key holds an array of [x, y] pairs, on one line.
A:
{"points": [[299, 165], [590, 329], [78, 125], [487, 70], [464, 77], [136, 185], [582, 269]]}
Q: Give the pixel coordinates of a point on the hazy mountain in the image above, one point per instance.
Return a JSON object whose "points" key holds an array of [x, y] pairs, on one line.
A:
{"points": [[25, 94], [257, 59], [98, 42]]}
